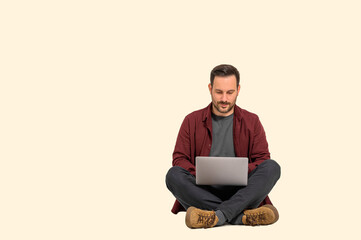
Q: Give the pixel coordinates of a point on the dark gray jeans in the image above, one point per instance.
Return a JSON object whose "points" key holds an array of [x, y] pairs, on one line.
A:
{"points": [[231, 200]]}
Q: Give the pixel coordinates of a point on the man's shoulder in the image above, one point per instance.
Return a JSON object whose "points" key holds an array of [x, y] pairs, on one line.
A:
{"points": [[198, 114], [245, 114]]}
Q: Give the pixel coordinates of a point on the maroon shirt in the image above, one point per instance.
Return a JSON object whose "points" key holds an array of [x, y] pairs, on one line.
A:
{"points": [[195, 139]]}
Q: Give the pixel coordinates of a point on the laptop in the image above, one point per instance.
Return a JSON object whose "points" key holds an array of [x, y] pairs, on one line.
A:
{"points": [[222, 171]]}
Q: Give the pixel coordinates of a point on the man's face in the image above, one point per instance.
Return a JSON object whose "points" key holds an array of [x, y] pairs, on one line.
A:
{"points": [[224, 94]]}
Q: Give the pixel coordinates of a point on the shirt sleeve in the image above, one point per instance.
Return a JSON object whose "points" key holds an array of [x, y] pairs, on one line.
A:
{"points": [[259, 152], [182, 150]]}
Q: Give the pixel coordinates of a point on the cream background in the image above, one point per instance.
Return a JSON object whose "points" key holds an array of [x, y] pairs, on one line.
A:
{"points": [[92, 95]]}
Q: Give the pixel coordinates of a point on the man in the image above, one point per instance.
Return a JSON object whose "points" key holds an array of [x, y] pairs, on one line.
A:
{"points": [[223, 129]]}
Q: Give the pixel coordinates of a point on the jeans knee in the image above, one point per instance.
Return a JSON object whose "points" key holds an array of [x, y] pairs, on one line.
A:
{"points": [[172, 174], [274, 167]]}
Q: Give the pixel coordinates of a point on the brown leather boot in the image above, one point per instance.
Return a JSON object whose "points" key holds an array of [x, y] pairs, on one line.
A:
{"points": [[264, 215], [197, 218]]}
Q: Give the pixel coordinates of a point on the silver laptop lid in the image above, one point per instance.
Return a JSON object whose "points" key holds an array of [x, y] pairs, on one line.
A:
{"points": [[222, 171]]}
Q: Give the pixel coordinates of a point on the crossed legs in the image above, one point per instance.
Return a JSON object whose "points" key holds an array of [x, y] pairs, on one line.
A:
{"points": [[230, 200]]}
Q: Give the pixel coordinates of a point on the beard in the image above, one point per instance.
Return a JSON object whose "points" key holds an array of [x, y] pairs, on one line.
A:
{"points": [[220, 109]]}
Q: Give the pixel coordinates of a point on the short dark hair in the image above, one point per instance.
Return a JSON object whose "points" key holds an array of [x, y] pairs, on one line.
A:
{"points": [[224, 70]]}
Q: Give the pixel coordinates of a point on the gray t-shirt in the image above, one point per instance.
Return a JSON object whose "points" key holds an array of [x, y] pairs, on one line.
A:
{"points": [[222, 137]]}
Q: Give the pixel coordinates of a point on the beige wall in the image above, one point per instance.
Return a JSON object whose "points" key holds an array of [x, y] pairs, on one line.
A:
{"points": [[92, 96]]}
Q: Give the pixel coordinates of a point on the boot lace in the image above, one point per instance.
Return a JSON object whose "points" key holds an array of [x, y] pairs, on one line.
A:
{"points": [[255, 218], [207, 219]]}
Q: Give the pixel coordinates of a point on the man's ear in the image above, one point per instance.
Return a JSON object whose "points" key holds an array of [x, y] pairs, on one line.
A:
{"points": [[239, 88], [210, 88]]}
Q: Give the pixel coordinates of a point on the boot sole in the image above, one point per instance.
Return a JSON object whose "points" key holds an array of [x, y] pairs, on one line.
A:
{"points": [[274, 210], [188, 217]]}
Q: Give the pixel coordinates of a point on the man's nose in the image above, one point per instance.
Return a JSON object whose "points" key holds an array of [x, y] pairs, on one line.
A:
{"points": [[224, 98]]}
